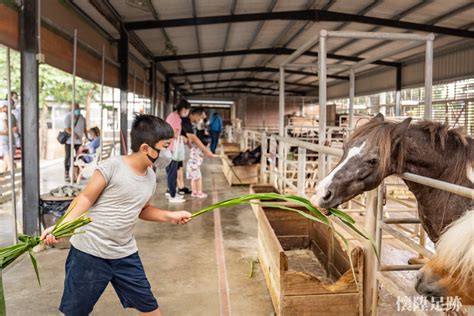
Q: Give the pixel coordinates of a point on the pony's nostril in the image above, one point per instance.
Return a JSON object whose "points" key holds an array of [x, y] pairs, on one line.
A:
{"points": [[328, 196]]}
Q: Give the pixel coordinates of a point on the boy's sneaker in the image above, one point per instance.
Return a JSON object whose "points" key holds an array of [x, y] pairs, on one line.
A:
{"points": [[184, 191], [179, 193], [176, 199]]}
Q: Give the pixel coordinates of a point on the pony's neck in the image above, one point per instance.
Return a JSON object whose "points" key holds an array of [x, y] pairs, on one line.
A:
{"points": [[447, 162]]}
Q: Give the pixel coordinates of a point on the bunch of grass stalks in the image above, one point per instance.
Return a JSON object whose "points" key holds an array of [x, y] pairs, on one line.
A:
{"points": [[9, 254], [314, 214]]}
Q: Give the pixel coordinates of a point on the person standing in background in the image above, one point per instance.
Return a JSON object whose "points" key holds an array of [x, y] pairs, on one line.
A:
{"points": [[5, 148], [173, 169], [215, 129], [80, 130], [16, 112]]}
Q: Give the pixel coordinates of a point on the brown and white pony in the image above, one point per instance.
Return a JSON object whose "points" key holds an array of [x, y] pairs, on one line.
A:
{"points": [[379, 149]]}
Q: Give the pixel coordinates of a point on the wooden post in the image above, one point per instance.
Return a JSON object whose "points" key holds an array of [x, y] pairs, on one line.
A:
{"points": [[370, 271]]}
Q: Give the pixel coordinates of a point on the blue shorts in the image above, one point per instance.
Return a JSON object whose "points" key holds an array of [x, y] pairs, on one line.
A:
{"points": [[87, 277]]}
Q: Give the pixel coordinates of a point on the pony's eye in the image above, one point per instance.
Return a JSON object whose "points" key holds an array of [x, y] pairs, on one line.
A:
{"points": [[372, 162]]}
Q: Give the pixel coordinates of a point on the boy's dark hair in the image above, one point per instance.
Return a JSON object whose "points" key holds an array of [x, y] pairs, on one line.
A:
{"points": [[196, 111], [182, 104], [149, 129]]}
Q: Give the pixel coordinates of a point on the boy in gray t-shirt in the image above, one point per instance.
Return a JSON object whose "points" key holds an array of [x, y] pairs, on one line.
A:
{"points": [[118, 194]]}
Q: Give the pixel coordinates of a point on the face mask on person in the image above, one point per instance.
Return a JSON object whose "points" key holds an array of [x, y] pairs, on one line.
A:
{"points": [[162, 160], [77, 112], [184, 113]]}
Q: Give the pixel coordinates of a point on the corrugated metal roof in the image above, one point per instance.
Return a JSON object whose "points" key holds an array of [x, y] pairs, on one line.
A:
{"points": [[182, 40]]}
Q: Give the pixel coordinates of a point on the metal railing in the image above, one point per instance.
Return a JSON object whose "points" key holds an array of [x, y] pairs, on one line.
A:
{"points": [[274, 170]]}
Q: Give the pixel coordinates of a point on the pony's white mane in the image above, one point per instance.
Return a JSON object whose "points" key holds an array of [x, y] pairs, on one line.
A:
{"points": [[455, 248]]}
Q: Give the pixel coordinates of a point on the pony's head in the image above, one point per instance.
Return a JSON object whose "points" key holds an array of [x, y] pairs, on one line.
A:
{"points": [[370, 155], [450, 272]]}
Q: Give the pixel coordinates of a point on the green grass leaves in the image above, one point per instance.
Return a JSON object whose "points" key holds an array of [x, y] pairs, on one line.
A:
{"points": [[272, 200], [9, 254], [269, 199]]}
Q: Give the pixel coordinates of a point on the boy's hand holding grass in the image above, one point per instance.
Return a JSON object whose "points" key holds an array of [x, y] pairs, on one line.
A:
{"points": [[179, 218]]}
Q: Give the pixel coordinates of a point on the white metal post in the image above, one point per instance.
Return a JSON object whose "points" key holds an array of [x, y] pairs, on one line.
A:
{"points": [[102, 104], [12, 148], [263, 159], [397, 103], [301, 171], [322, 101], [71, 167], [281, 108], [351, 97], [428, 76], [281, 127]]}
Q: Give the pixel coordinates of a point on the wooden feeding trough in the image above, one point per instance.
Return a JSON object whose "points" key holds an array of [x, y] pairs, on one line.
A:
{"points": [[306, 268], [230, 148], [239, 175], [261, 188]]}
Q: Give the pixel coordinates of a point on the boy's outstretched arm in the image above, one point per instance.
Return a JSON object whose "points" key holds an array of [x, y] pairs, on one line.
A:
{"points": [[154, 214], [82, 202]]}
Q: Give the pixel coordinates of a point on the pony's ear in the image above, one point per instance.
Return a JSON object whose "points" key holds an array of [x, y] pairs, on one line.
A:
{"points": [[401, 128], [379, 117]]}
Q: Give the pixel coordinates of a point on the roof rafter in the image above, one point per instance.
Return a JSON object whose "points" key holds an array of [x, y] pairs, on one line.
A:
{"points": [[245, 79], [250, 69], [303, 15], [231, 92], [265, 51], [243, 86]]}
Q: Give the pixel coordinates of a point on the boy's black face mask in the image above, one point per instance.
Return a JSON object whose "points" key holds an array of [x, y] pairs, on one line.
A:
{"points": [[151, 158], [162, 160]]}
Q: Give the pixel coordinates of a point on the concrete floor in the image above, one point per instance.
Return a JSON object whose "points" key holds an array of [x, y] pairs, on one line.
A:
{"points": [[180, 262]]}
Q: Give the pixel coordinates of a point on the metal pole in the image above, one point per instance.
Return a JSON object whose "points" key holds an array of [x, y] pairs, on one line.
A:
{"points": [[123, 51], [102, 104], [351, 98], [322, 101], [378, 35], [428, 76], [281, 128], [398, 90], [281, 108], [30, 117], [72, 155], [263, 159], [301, 171], [11, 147]]}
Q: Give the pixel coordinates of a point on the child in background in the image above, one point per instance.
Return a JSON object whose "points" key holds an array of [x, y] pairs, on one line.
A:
{"points": [[118, 194], [193, 167], [93, 135]]}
